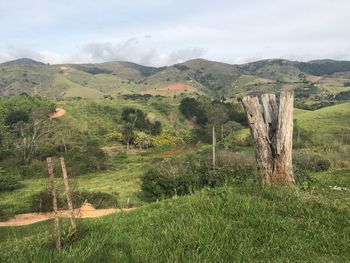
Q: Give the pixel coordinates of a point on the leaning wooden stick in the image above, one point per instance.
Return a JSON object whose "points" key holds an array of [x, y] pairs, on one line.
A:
{"points": [[68, 193], [54, 203]]}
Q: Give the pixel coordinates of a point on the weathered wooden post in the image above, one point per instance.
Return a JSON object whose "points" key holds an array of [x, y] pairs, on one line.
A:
{"points": [[68, 193], [54, 203], [273, 135]]}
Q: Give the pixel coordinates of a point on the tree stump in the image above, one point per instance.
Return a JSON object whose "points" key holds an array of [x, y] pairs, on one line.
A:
{"points": [[272, 133]]}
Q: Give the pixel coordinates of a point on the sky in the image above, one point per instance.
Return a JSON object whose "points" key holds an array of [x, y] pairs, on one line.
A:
{"points": [[165, 32]]}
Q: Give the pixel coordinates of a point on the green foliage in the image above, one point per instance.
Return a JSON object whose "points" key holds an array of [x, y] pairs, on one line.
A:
{"points": [[164, 139], [24, 122], [310, 162], [206, 114], [8, 182], [191, 108], [315, 106], [14, 117], [306, 92], [93, 70], [324, 67], [114, 136], [42, 201], [172, 178], [142, 140], [237, 139], [344, 95], [138, 119], [85, 156], [181, 67]]}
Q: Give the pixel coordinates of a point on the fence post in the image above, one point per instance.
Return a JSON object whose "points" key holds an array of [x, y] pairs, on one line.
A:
{"points": [[54, 203], [68, 193]]}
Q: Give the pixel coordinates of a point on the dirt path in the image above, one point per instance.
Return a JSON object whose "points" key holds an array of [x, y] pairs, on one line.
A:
{"points": [[59, 112], [87, 211]]}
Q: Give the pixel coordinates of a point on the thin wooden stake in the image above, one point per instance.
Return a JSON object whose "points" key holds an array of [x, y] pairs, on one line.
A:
{"points": [[214, 144], [68, 193], [54, 203]]}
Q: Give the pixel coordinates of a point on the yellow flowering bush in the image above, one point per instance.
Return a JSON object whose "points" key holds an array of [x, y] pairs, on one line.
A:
{"points": [[163, 139], [114, 136]]}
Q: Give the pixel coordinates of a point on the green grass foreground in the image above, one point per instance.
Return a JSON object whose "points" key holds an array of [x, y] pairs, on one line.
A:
{"points": [[227, 224]]}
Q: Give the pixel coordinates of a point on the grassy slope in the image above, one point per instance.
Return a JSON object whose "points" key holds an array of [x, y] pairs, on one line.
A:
{"points": [[334, 120], [228, 224], [94, 114]]}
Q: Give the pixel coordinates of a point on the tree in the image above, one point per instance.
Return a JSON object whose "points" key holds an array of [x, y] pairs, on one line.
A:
{"points": [[138, 119], [30, 132], [142, 140], [128, 134], [26, 121], [192, 109], [273, 135]]}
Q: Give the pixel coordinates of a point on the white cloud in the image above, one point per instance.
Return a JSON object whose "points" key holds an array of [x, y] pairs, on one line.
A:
{"points": [[163, 32], [132, 49]]}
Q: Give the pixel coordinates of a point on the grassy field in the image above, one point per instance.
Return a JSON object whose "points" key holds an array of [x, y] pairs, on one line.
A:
{"points": [[227, 224]]}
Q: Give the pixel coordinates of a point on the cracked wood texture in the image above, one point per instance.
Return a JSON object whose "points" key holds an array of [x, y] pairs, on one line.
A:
{"points": [[272, 133]]}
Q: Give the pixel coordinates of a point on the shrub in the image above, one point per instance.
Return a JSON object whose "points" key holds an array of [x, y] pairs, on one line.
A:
{"points": [[114, 136], [172, 178], [231, 167], [8, 182], [42, 201], [310, 162], [236, 139], [164, 139], [169, 179], [99, 200]]}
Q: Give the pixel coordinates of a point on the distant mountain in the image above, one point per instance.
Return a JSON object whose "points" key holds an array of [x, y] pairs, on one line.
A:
{"points": [[197, 76], [21, 61]]}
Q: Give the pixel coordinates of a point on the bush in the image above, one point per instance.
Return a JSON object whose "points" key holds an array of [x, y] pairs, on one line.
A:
{"points": [[33, 169], [42, 201], [172, 178], [310, 162], [168, 180], [5, 215], [8, 182], [236, 139], [304, 163], [164, 139], [99, 200]]}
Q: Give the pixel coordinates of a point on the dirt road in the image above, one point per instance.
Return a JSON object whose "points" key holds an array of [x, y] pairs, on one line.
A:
{"points": [[86, 211]]}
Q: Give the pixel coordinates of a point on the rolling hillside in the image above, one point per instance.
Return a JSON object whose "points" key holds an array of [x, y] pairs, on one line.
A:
{"points": [[316, 81]]}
